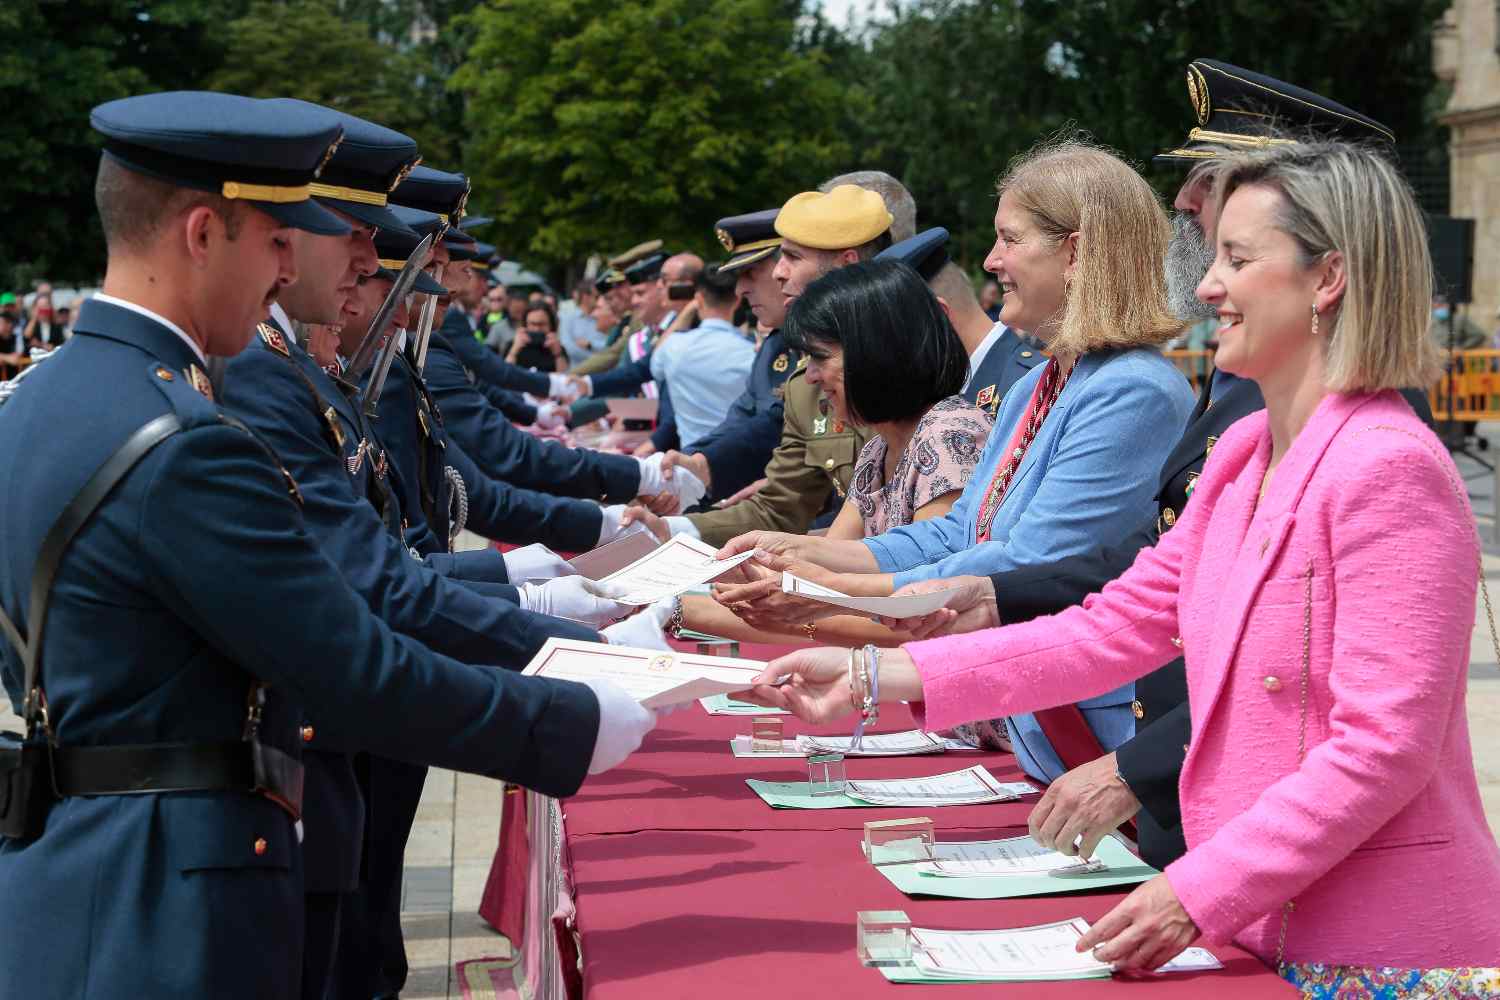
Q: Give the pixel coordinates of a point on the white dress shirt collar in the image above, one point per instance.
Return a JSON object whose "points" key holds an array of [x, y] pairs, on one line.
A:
{"points": [[284, 321], [977, 358], [155, 317]]}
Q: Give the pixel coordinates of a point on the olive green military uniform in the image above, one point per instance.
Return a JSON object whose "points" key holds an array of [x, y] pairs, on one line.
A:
{"points": [[815, 458], [603, 360]]}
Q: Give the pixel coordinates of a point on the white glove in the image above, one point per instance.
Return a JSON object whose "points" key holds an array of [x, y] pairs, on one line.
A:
{"points": [[623, 723], [679, 525], [535, 562], [573, 598], [609, 528], [558, 386], [687, 487], [643, 631], [551, 415]]}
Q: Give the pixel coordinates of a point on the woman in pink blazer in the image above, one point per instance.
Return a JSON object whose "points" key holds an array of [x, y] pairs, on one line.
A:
{"points": [[1321, 586]]}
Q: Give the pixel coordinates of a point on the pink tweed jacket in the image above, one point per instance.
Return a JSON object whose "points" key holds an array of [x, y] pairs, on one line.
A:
{"points": [[1361, 561]]}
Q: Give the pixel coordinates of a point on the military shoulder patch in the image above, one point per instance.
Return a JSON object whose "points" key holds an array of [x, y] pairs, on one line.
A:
{"points": [[274, 340], [781, 364], [986, 396]]}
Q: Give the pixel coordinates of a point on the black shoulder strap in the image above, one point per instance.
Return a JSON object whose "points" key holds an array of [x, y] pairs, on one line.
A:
{"points": [[61, 535]]}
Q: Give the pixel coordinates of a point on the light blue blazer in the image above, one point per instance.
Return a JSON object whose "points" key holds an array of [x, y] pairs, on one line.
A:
{"points": [[1088, 479]]}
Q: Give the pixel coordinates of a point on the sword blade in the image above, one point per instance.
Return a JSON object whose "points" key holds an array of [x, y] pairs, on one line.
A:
{"points": [[429, 316], [364, 355]]}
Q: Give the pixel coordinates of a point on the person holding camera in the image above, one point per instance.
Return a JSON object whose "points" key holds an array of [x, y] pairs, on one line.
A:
{"points": [[537, 344]]}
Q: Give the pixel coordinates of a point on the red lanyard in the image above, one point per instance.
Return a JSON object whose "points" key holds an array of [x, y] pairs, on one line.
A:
{"points": [[1048, 388]]}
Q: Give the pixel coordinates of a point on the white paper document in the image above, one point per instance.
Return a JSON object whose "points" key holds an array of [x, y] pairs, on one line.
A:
{"points": [[1045, 951], [971, 786], [611, 557], [652, 677], [877, 745], [674, 567], [904, 606], [1011, 856], [1192, 960]]}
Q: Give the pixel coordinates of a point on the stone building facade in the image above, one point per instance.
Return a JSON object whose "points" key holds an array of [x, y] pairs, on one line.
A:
{"points": [[1466, 56]]}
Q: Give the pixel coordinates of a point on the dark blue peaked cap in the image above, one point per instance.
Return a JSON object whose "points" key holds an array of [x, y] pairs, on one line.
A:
{"points": [[368, 164], [394, 246], [239, 147], [925, 253], [434, 191]]}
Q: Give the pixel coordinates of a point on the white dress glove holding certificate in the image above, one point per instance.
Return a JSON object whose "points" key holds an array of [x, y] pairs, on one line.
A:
{"points": [[535, 562], [573, 598], [644, 631], [623, 723]]}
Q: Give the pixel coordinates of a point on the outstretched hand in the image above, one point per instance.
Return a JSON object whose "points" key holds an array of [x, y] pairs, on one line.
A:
{"points": [[812, 684]]}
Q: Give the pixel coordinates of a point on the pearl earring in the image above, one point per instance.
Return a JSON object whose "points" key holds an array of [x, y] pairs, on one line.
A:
{"points": [[1315, 320]]}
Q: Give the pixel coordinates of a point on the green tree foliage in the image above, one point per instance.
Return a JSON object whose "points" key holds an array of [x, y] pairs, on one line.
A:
{"points": [[308, 49], [592, 126], [961, 86]]}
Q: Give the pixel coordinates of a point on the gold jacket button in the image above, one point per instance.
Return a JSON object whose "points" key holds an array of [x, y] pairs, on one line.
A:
{"points": [[828, 464], [1138, 709], [1169, 516], [307, 734], [1272, 684], [260, 845], [1184, 748], [1025, 354]]}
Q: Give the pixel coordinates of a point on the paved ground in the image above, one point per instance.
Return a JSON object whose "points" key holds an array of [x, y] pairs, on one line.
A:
{"points": [[458, 823]]}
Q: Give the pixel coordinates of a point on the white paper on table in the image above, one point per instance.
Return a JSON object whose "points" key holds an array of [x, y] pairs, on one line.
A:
{"points": [[905, 744], [971, 786], [650, 676], [1010, 856], [676, 566], [904, 606], [740, 747], [1044, 951], [633, 407], [611, 557], [1192, 960]]}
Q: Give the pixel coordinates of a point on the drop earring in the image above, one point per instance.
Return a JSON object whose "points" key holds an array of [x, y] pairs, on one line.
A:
{"points": [[1315, 321]]}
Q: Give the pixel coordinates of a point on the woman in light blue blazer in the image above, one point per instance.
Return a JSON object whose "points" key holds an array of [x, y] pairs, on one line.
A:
{"points": [[1078, 444]]}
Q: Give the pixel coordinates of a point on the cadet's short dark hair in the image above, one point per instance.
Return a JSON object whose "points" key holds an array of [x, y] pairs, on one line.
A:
{"points": [[716, 288], [901, 355], [133, 206]]}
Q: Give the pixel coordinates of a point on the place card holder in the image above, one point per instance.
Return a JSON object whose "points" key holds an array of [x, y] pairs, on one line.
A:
{"points": [[883, 937], [766, 735], [825, 773], [718, 647], [899, 841]]}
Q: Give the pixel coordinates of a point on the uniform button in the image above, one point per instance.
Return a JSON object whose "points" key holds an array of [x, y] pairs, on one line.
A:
{"points": [[1025, 354], [1169, 515], [164, 374], [1138, 709], [1184, 748], [260, 845], [1272, 683], [828, 464], [307, 734]]}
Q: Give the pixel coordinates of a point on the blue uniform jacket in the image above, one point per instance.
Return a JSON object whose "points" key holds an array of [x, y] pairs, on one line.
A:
{"points": [[1007, 361], [740, 448], [508, 454], [194, 578], [1089, 475], [411, 425], [487, 366]]}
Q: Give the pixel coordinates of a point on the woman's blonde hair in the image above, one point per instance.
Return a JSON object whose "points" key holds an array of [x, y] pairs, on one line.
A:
{"points": [[1338, 197], [1118, 294]]}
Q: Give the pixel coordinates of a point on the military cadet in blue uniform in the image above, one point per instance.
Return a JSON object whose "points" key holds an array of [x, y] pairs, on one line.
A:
{"points": [[166, 708], [1236, 109]]}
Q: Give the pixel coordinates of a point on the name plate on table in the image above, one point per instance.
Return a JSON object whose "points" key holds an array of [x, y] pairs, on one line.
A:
{"points": [[904, 606], [1015, 867], [674, 567], [652, 677]]}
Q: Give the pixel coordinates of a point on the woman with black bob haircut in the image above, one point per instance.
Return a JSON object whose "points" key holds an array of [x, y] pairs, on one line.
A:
{"points": [[881, 349]]}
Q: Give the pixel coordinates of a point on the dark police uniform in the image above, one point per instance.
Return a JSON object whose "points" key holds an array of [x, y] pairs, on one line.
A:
{"points": [[158, 632], [1234, 107], [1007, 362]]}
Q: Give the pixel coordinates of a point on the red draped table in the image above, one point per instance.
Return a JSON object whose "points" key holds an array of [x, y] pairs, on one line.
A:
{"points": [[669, 877]]}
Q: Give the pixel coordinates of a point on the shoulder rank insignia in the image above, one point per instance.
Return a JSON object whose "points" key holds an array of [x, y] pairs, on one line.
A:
{"points": [[986, 398], [1212, 440], [820, 425], [331, 418], [781, 363], [198, 378], [274, 340], [802, 362]]}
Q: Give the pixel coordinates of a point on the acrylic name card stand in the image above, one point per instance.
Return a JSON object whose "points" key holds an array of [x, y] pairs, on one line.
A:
{"points": [[899, 841], [718, 647], [825, 773], [883, 937], [766, 735]]}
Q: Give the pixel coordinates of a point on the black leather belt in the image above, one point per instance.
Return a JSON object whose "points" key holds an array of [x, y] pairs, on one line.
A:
{"points": [[179, 767]]}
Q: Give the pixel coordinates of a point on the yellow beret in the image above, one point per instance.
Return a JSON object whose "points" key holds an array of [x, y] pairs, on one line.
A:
{"points": [[848, 216]]}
